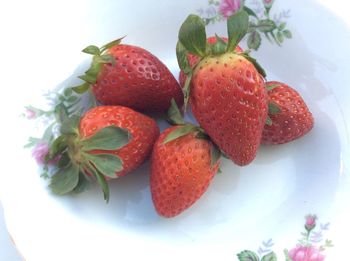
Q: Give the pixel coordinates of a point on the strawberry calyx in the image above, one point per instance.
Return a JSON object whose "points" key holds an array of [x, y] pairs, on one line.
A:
{"points": [[174, 117], [192, 39], [99, 57], [273, 107], [78, 163]]}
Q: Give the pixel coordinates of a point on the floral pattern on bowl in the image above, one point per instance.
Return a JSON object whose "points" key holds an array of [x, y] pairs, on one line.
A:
{"points": [[310, 247], [262, 22]]}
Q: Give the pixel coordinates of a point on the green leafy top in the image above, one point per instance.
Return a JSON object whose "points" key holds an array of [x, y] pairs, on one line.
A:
{"points": [[175, 118], [192, 40], [99, 57], [77, 163]]}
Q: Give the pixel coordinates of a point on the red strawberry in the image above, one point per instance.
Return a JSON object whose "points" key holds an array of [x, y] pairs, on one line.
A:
{"points": [[192, 59], [227, 96], [109, 142], [143, 130], [181, 171], [131, 76], [292, 121], [228, 99]]}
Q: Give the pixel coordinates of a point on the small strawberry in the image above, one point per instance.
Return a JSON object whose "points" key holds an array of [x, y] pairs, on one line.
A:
{"points": [[192, 59], [183, 165], [227, 96], [290, 119], [129, 76], [107, 142]]}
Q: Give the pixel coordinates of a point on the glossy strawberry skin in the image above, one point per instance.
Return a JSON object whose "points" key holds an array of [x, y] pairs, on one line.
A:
{"points": [[229, 100], [192, 59], [181, 172], [144, 132], [138, 80], [294, 120]]}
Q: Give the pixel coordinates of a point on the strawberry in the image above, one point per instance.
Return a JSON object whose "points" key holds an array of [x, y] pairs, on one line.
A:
{"points": [[192, 59], [106, 143], [227, 96], [182, 169], [143, 130], [130, 76], [292, 118]]}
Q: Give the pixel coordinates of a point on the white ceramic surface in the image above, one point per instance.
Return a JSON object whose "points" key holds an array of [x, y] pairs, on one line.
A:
{"points": [[243, 206]]}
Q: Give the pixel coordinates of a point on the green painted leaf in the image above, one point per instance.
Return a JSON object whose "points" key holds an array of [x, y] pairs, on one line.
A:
{"points": [[107, 164], [88, 78], [274, 108], [269, 257], [31, 142], [259, 68], [266, 26], [329, 243], [282, 26], [250, 11], [275, 38], [108, 138], [286, 254], [280, 37], [268, 121], [174, 115], [254, 40], [80, 89], [111, 44], [251, 27], [65, 180], [192, 35], [247, 255], [219, 47], [63, 161], [215, 155], [92, 49], [181, 54], [287, 34], [83, 184], [72, 99], [68, 92], [186, 89], [179, 132], [70, 125], [237, 27], [271, 86]]}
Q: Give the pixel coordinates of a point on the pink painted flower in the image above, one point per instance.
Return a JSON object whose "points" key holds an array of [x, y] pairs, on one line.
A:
{"points": [[303, 253], [229, 7], [39, 153], [268, 3], [30, 114], [310, 222]]}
